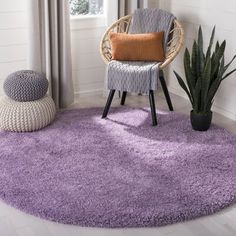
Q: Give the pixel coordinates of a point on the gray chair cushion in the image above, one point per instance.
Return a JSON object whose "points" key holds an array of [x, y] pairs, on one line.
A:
{"points": [[25, 86]]}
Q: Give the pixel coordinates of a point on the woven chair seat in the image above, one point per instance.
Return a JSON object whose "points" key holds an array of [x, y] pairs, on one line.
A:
{"points": [[26, 116]]}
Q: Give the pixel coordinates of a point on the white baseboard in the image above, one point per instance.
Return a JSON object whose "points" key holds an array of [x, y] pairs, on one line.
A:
{"points": [[94, 92], [224, 112], [88, 93]]}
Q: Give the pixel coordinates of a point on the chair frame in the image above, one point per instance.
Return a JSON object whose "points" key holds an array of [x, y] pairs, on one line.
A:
{"points": [[174, 45]]}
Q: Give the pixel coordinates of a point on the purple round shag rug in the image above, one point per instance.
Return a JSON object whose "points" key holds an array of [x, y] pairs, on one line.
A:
{"points": [[118, 172]]}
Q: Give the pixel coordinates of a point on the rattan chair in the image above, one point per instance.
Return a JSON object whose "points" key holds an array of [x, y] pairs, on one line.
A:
{"points": [[174, 45]]}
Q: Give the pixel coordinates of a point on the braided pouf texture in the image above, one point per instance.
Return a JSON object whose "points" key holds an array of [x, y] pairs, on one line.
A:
{"points": [[26, 116], [26, 85]]}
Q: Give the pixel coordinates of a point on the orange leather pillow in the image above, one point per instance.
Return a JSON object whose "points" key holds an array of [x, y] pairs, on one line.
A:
{"points": [[137, 47]]}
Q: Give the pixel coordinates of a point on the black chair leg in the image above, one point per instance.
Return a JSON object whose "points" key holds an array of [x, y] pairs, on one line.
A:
{"points": [[108, 104], [166, 92], [123, 98], [153, 108]]}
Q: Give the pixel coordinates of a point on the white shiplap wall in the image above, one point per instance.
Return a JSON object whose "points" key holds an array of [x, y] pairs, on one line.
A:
{"points": [[208, 13], [88, 67], [13, 37]]}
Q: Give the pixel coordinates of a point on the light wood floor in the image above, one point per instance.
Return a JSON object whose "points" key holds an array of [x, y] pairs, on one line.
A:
{"points": [[16, 223]]}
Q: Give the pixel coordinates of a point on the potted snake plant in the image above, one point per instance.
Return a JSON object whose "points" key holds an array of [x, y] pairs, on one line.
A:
{"points": [[204, 72]]}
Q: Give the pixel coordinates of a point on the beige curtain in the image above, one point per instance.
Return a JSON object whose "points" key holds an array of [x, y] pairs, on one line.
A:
{"points": [[50, 47]]}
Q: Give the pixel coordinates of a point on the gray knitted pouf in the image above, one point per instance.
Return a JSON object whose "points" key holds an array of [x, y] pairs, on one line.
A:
{"points": [[26, 116], [25, 85]]}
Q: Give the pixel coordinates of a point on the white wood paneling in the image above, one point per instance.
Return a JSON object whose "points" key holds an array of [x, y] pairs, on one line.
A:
{"points": [[9, 67], [88, 67], [12, 5], [207, 13], [13, 37], [87, 60], [13, 20], [13, 53]]}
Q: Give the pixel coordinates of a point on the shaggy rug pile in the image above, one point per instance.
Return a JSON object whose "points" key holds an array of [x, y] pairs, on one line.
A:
{"points": [[118, 172]]}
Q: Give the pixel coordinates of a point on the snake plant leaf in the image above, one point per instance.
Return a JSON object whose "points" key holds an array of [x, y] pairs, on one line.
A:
{"points": [[213, 57], [200, 39], [201, 60], [199, 66], [212, 91], [220, 51], [188, 72], [198, 59], [227, 75], [206, 79], [225, 69], [208, 54], [194, 62], [209, 105], [184, 87], [216, 60], [197, 96], [217, 46], [221, 70], [200, 44], [213, 64], [227, 66]]}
